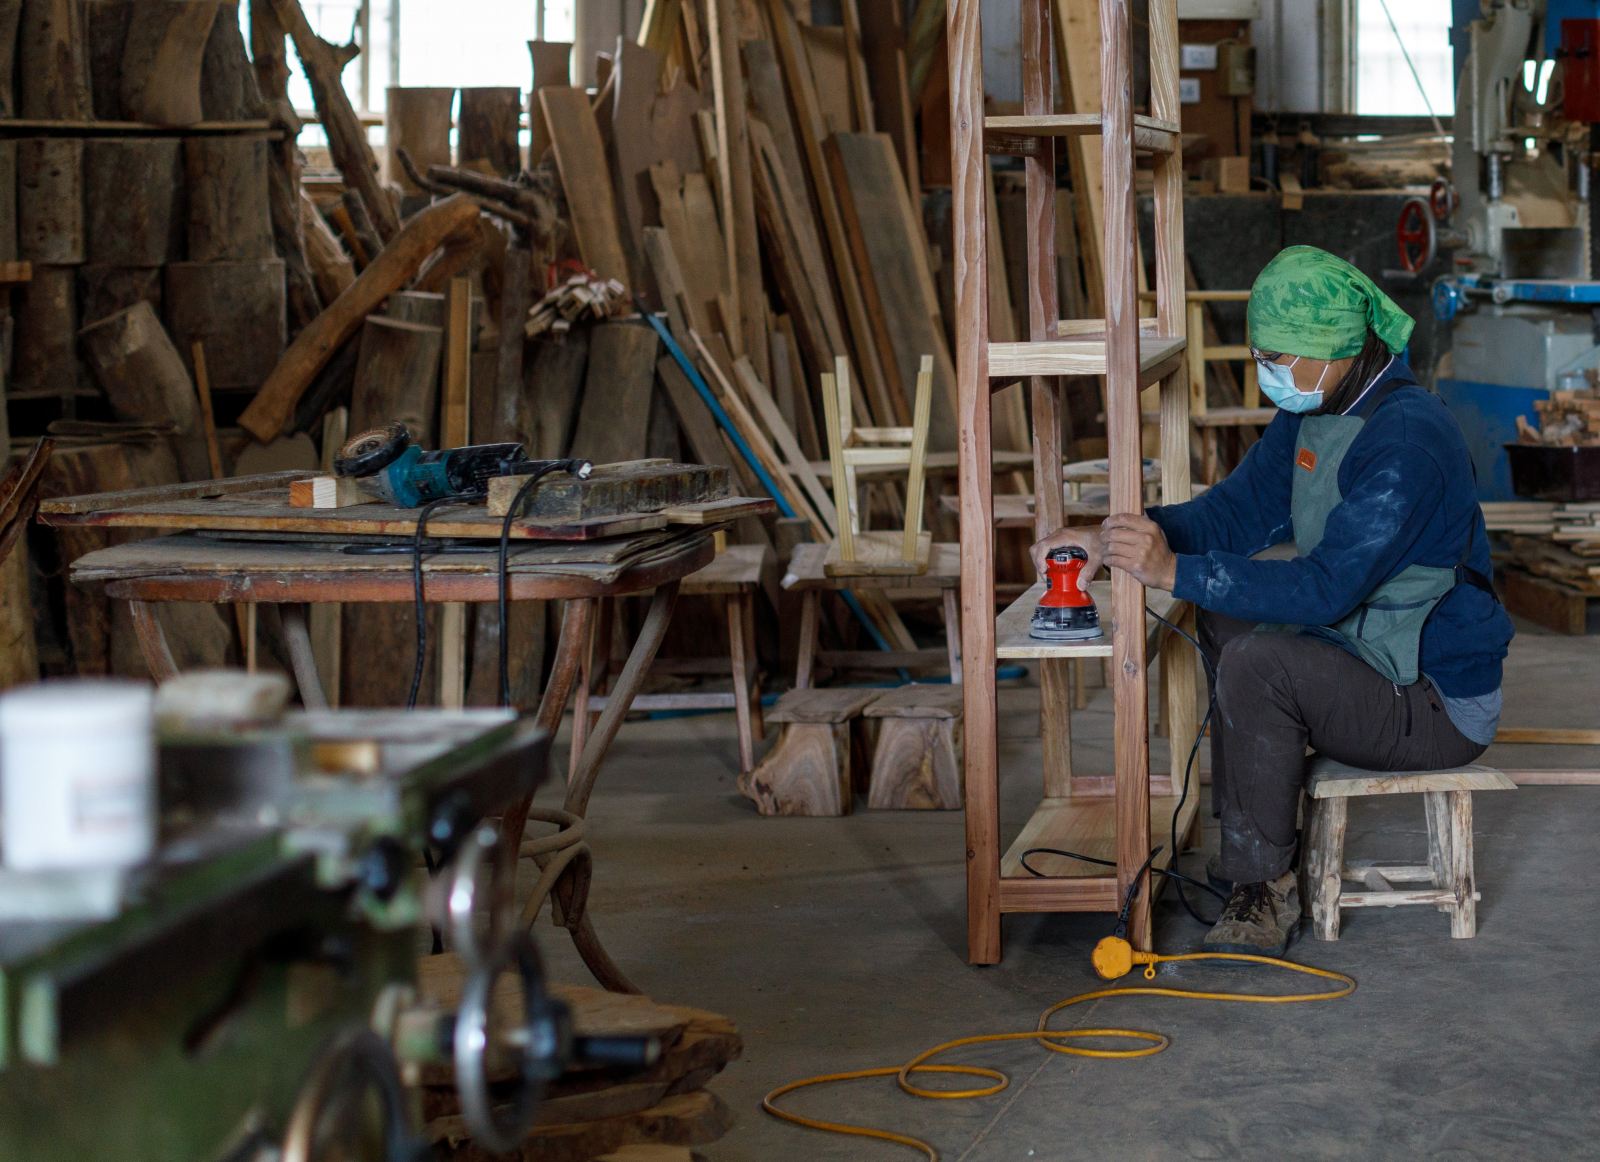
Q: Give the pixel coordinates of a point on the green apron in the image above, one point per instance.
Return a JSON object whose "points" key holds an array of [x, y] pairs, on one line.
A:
{"points": [[1385, 630]]}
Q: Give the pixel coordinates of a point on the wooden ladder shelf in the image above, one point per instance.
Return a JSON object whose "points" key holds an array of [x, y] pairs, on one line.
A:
{"points": [[1132, 354]]}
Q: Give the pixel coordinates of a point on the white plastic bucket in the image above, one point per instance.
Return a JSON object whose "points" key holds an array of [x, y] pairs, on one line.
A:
{"points": [[77, 775]]}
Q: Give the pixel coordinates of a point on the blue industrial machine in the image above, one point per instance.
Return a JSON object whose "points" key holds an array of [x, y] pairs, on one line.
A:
{"points": [[1522, 300]]}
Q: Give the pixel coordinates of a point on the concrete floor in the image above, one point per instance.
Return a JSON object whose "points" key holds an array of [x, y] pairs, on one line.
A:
{"points": [[839, 944]]}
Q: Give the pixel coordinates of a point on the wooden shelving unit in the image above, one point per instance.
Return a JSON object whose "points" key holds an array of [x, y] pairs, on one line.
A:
{"points": [[1076, 814]]}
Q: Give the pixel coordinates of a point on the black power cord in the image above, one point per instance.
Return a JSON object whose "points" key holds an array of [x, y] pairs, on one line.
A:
{"points": [[576, 467], [1171, 873], [416, 586]]}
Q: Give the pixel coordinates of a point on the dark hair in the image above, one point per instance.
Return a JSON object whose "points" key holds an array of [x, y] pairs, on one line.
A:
{"points": [[1373, 357]]}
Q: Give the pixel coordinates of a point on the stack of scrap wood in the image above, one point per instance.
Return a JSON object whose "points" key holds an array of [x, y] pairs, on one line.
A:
{"points": [[590, 1113], [1567, 419]]}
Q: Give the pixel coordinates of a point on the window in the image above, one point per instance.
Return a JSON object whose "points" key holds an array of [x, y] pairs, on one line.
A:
{"points": [[454, 43], [1385, 84]]}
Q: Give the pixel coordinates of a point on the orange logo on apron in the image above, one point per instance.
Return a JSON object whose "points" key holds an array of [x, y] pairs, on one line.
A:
{"points": [[1307, 459]]}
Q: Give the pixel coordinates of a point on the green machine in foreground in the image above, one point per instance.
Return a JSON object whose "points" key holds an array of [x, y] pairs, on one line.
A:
{"points": [[249, 994]]}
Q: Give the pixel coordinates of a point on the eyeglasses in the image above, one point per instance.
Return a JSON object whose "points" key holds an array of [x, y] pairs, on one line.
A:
{"points": [[1265, 356]]}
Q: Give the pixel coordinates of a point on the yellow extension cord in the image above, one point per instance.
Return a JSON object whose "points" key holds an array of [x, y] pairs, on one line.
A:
{"points": [[1118, 951]]}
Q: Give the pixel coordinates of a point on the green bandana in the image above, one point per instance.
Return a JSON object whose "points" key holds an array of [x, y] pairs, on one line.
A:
{"points": [[1307, 302]]}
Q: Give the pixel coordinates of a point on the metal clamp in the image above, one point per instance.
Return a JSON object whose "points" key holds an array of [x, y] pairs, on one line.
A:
{"points": [[543, 1045], [358, 1063], [476, 927]]}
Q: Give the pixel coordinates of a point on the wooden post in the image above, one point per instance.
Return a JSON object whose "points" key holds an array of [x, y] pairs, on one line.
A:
{"points": [[416, 120], [238, 309], [52, 62], [230, 218], [49, 181], [489, 120], [397, 377], [457, 407], [841, 495], [1177, 390], [144, 378], [10, 19], [1131, 744], [161, 61], [976, 485], [44, 357], [133, 196]]}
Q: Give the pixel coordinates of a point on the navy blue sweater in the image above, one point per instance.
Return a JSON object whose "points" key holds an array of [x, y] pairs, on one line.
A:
{"points": [[1409, 498]]}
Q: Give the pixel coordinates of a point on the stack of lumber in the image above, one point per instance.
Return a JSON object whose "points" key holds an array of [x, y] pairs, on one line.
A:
{"points": [[1550, 560], [583, 296], [1519, 516], [590, 1113], [1567, 419]]}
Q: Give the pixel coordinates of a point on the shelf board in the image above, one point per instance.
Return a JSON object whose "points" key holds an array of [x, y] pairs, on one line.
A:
{"points": [[1080, 355], [1012, 640], [1087, 826], [77, 128], [1149, 134]]}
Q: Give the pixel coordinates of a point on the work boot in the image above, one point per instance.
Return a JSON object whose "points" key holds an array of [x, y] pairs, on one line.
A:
{"points": [[1258, 919]]}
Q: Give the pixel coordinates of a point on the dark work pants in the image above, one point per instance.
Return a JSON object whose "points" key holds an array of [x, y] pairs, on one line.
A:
{"points": [[1278, 693]]}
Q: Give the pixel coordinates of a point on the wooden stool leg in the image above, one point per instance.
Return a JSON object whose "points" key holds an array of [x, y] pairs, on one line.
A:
{"points": [[580, 703], [809, 602], [1324, 860], [741, 687], [952, 633], [752, 680], [1464, 917], [152, 641], [1437, 808]]}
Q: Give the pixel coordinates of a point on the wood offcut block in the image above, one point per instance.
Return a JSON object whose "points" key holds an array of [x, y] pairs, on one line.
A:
{"points": [[879, 554], [328, 492], [612, 490], [917, 763], [808, 770], [1231, 174]]}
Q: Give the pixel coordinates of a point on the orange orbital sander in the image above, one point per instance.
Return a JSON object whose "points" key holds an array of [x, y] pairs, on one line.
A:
{"points": [[1065, 613]]}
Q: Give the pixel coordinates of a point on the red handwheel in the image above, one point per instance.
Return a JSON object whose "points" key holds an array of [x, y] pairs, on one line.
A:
{"points": [[1442, 199], [1415, 234]]}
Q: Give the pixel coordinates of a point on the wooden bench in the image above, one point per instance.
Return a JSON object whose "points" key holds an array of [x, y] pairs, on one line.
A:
{"points": [[918, 762], [1447, 799], [808, 770]]}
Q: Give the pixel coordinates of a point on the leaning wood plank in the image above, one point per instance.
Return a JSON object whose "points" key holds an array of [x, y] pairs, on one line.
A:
{"points": [[581, 156], [715, 359], [813, 131], [347, 137], [274, 404], [883, 42], [615, 414], [798, 466], [871, 195], [738, 198]]}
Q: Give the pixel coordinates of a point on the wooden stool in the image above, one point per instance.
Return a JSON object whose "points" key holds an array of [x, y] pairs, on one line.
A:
{"points": [[1447, 797], [807, 771], [918, 761]]}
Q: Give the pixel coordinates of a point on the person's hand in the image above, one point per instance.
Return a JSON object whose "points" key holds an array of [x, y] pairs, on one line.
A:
{"points": [[1086, 537], [1137, 545]]}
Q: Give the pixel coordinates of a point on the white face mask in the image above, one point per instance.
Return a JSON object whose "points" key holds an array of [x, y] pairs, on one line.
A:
{"points": [[1277, 380]]}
